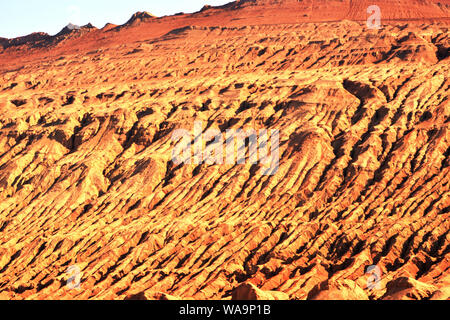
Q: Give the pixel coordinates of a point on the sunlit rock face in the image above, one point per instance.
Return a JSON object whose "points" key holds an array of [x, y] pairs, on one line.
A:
{"points": [[357, 208]]}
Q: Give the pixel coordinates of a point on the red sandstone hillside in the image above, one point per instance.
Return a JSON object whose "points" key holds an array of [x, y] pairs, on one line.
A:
{"points": [[251, 12], [86, 176]]}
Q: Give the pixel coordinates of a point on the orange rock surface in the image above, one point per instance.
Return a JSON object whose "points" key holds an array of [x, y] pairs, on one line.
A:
{"points": [[86, 177]]}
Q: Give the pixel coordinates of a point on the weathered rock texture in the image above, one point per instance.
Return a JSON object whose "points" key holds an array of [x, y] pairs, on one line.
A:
{"points": [[86, 176]]}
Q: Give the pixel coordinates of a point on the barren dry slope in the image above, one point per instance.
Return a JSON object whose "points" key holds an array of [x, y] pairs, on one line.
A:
{"points": [[86, 176]]}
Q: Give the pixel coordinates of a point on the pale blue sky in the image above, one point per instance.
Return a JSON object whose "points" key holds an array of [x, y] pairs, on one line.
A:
{"points": [[22, 17]]}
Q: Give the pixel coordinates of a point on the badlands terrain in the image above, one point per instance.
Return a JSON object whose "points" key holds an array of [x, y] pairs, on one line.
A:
{"points": [[86, 177]]}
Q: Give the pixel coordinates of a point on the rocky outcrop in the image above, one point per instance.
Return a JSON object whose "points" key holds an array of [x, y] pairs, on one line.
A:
{"points": [[139, 17], [71, 28], [248, 291], [31, 39], [145, 295], [409, 289], [441, 294], [109, 26], [337, 290]]}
